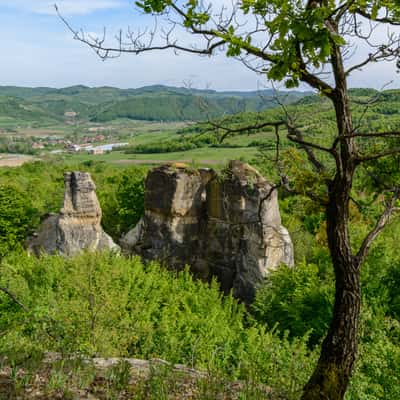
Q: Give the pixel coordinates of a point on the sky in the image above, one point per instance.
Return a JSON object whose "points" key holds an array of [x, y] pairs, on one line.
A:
{"points": [[38, 50]]}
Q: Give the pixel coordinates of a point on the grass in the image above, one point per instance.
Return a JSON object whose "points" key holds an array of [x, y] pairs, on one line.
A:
{"points": [[208, 155], [72, 379]]}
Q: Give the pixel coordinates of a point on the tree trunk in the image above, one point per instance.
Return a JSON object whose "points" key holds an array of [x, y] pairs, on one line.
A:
{"points": [[339, 349], [332, 374]]}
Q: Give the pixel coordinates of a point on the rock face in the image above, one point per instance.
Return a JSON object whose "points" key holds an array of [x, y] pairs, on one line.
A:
{"points": [[245, 236], [78, 225], [225, 226], [170, 230]]}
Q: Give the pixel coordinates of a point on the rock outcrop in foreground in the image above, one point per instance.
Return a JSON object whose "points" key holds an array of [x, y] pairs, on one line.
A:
{"points": [[227, 226], [77, 226]]}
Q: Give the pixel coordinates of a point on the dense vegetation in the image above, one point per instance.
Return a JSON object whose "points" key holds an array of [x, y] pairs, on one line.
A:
{"points": [[107, 305]]}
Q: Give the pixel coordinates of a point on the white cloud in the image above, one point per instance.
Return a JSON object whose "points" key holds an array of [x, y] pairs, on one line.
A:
{"points": [[67, 7]]}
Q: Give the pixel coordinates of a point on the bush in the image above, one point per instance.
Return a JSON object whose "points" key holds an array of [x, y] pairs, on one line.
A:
{"points": [[377, 372], [296, 300], [121, 196], [16, 218], [106, 305]]}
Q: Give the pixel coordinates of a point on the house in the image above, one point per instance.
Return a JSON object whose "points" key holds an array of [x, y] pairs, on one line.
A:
{"points": [[96, 151], [70, 114], [73, 148]]}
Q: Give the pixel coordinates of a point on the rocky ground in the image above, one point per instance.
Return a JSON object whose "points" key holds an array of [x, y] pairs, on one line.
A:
{"points": [[122, 379]]}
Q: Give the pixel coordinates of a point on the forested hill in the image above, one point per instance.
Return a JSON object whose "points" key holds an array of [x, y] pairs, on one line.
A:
{"points": [[155, 103], [42, 106]]}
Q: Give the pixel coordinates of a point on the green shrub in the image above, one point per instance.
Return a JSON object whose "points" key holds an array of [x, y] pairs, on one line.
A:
{"points": [[106, 305], [296, 300], [377, 372], [16, 218]]}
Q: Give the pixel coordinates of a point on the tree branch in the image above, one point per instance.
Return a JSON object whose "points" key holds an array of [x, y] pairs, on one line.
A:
{"points": [[390, 152], [231, 131], [296, 136], [383, 53], [311, 79], [385, 20], [13, 298], [135, 47], [381, 223]]}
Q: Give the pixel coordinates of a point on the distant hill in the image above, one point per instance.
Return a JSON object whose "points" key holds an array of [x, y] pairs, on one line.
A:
{"points": [[154, 103], [16, 110], [374, 111]]}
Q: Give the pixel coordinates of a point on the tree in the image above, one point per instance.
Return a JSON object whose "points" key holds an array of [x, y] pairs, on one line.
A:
{"points": [[17, 217], [308, 42]]}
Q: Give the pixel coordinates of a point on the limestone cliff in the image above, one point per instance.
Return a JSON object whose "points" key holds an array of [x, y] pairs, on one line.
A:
{"points": [[78, 224], [227, 226]]}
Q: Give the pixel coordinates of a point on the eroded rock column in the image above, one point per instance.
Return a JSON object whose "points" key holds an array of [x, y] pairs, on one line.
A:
{"points": [[77, 226]]}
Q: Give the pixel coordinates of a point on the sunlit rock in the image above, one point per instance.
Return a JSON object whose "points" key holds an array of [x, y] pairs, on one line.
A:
{"points": [[77, 226], [226, 226]]}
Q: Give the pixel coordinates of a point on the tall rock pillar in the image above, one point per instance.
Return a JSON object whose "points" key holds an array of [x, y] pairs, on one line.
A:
{"points": [[77, 226]]}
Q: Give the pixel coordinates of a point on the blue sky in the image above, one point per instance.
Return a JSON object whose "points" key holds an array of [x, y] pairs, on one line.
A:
{"points": [[37, 50]]}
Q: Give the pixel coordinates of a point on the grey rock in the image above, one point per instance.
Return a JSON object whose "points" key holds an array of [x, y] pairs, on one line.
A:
{"points": [[170, 229], [77, 226], [226, 226], [244, 224]]}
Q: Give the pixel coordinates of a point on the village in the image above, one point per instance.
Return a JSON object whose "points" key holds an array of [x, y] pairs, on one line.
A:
{"points": [[95, 141]]}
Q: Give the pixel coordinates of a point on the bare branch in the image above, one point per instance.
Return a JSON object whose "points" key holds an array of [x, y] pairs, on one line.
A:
{"points": [[373, 135], [136, 47], [385, 20], [384, 53], [380, 225], [231, 131], [14, 298], [296, 136], [385, 153]]}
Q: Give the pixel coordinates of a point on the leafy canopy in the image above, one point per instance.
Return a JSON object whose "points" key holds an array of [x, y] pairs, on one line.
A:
{"points": [[288, 26], [16, 217]]}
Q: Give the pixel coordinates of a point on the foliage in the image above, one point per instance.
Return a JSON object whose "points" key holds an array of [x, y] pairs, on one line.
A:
{"points": [[178, 143], [105, 305], [130, 199], [313, 114], [108, 305], [102, 304], [290, 23], [120, 192], [16, 217], [296, 300], [377, 374]]}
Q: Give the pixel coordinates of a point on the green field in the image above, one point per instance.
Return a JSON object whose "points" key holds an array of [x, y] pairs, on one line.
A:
{"points": [[204, 156]]}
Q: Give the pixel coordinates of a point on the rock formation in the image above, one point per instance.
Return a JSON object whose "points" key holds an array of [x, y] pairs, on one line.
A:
{"points": [[170, 229], [78, 224], [226, 226]]}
